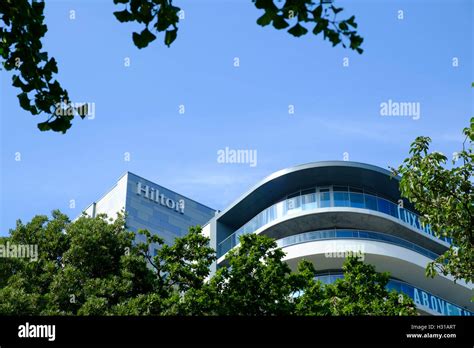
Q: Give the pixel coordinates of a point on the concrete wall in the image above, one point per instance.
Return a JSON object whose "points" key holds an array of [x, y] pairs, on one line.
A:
{"points": [[112, 202]]}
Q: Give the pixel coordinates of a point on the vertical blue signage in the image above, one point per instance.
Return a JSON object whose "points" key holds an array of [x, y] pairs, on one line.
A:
{"points": [[414, 221]]}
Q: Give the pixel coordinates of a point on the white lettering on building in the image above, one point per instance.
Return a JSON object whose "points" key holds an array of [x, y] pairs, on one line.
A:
{"points": [[157, 197]]}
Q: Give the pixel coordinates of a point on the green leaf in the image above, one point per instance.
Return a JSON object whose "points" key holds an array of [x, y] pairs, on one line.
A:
{"points": [[124, 16], [135, 5], [280, 23], [298, 30], [336, 10], [43, 56], [55, 88], [356, 41], [38, 6], [318, 11], [143, 39], [351, 22], [17, 82], [319, 27], [61, 124], [51, 66], [162, 23], [266, 18], [170, 36], [333, 37], [264, 4], [44, 126], [343, 26], [82, 110], [24, 101]]}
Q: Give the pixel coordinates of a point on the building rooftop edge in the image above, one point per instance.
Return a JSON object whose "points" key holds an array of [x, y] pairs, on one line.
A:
{"points": [[309, 165]]}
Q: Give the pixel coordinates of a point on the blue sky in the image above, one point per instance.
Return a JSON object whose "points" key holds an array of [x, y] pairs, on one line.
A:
{"points": [[337, 109]]}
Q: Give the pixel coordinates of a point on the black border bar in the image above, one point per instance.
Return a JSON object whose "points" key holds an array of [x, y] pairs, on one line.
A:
{"points": [[222, 331]]}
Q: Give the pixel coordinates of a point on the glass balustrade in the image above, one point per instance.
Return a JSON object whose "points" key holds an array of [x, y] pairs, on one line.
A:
{"points": [[353, 234], [325, 198]]}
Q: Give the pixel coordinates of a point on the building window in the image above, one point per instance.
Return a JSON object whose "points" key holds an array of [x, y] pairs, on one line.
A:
{"points": [[324, 197]]}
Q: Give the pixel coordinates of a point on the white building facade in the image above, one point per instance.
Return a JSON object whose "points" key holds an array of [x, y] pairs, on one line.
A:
{"points": [[324, 211]]}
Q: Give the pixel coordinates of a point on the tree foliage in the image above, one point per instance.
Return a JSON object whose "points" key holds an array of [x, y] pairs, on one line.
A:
{"points": [[23, 28], [256, 281], [298, 14], [22, 51], [157, 15], [444, 196], [94, 266], [363, 291]]}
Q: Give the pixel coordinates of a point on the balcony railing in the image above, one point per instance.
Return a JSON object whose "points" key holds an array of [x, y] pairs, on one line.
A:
{"points": [[325, 199], [353, 234]]}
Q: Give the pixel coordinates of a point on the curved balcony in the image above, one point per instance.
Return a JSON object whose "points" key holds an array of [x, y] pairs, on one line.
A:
{"points": [[353, 234], [326, 197]]}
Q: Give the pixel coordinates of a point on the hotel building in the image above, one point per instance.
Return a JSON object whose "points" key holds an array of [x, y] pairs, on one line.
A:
{"points": [[318, 212]]}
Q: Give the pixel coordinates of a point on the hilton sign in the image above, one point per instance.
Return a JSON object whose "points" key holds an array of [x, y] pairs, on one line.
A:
{"points": [[154, 195]]}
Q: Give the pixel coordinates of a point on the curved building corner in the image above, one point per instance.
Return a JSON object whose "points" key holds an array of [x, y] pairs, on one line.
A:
{"points": [[324, 210]]}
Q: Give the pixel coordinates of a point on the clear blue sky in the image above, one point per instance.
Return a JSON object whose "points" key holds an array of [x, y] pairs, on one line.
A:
{"points": [[337, 109]]}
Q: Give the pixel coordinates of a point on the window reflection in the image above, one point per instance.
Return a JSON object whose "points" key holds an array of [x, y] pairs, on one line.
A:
{"points": [[341, 199], [309, 199], [370, 202], [324, 198], [357, 200], [357, 234]]}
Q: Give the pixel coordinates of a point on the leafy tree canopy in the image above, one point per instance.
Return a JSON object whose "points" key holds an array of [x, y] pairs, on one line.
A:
{"points": [[23, 28], [444, 196], [94, 266]]}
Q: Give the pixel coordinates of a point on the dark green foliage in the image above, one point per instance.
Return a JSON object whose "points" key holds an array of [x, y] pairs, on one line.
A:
{"points": [[444, 196], [159, 15], [23, 28], [21, 50], [297, 14], [257, 281], [362, 292], [93, 266]]}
